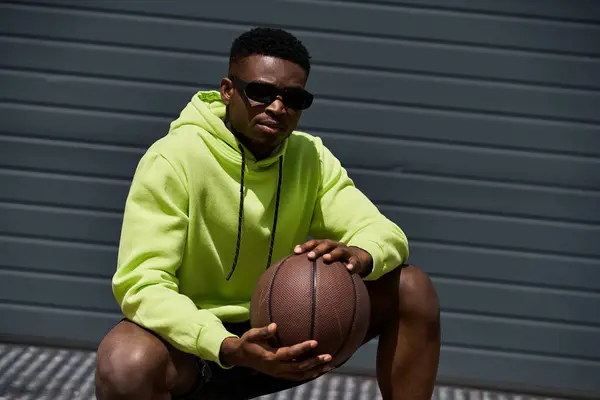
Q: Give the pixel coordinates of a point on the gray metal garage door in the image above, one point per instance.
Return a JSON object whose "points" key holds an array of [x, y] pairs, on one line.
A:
{"points": [[480, 121]]}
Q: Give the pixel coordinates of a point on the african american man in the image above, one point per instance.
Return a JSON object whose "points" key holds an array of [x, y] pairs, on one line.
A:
{"points": [[231, 188]]}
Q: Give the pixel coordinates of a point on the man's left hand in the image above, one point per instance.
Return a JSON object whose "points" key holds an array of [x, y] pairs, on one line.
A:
{"points": [[357, 260]]}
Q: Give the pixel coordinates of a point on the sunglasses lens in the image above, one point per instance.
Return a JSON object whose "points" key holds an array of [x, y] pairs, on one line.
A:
{"points": [[297, 99], [261, 92]]}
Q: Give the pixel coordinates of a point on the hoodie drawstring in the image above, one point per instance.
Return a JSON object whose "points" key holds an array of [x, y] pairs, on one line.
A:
{"points": [[241, 214]]}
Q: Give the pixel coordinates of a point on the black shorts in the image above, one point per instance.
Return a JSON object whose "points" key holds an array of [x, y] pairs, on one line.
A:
{"points": [[236, 383]]}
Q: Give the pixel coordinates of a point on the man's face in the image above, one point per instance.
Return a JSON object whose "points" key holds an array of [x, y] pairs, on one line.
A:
{"points": [[263, 125]]}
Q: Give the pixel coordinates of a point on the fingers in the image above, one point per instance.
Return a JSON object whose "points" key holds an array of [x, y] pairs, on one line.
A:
{"points": [[360, 261], [283, 362], [332, 251], [317, 248], [311, 363], [322, 249], [308, 369], [352, 264], [295, 351], [261, 334], [311, 244], [337, 254]]}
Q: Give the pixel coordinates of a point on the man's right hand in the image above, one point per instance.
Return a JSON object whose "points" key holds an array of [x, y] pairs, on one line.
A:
{"points": [[252, 350]]}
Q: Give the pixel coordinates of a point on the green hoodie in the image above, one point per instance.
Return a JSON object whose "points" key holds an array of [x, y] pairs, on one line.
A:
{"points": [[192, 249]]}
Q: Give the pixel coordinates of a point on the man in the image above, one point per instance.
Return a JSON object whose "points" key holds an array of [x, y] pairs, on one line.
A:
{"points": [[232, 188]]}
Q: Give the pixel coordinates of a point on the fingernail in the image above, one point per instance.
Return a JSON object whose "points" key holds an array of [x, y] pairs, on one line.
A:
{"points": [[311, 254], [350, 267], [325, 358], [298, 249]]}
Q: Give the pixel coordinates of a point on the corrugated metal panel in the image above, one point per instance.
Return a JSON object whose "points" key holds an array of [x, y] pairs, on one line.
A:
{"points": [[483, 117]]}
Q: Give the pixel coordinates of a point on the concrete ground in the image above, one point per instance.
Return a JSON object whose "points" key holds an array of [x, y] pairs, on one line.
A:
{"points": [[41, 373]]}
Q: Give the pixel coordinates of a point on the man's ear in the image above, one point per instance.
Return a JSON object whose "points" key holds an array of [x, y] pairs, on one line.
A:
{"points": [[226, 90]]}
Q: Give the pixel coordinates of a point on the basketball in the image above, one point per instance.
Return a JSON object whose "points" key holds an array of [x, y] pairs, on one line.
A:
{"points": [[312, 300]]}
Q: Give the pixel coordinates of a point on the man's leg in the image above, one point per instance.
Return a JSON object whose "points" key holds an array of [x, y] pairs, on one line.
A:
{"points": [[133, 363], [405, 316]]}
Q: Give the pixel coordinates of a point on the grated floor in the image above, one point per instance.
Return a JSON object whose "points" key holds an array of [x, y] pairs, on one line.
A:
{"points": [[39, 373]]}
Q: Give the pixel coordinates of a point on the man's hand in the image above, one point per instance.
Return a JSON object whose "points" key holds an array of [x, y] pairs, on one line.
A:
{"points": [[252, 350], [357, 260]]}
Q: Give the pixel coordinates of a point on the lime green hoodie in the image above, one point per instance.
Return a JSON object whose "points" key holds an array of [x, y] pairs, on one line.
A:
{"points": [[192, 248]]}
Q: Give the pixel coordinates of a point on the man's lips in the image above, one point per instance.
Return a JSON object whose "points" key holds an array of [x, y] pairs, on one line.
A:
{"points": [[271, 126]]}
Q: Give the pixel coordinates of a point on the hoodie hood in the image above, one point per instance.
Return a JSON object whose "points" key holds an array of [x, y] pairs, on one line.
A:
{"points": [[207, 111]]}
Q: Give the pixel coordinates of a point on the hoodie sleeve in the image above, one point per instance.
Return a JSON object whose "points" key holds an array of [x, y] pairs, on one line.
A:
{"points": [[152, 243], [343, 213]]}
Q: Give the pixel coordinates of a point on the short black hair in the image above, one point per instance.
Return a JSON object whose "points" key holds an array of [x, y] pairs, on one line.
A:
{"points": [[271, 42]]}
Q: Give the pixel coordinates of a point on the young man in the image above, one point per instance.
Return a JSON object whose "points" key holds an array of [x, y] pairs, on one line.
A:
{"points": [[232, 188]]}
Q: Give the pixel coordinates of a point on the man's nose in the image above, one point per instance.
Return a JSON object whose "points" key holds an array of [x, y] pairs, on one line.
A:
{"points": [[277, 107]]}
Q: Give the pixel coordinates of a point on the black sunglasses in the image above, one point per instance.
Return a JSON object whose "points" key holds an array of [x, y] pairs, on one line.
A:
{"points": [[267, 93]]}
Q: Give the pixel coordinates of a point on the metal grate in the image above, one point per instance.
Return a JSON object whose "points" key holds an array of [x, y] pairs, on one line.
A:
{"points": [[41, 373]]}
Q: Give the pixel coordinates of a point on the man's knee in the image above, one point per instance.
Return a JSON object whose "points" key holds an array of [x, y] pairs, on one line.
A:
{"points": [[130, 366], [405, 295], [418, 296]]}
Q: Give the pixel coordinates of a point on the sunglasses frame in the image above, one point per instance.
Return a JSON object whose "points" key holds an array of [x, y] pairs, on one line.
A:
{"points": [[241, 85]]}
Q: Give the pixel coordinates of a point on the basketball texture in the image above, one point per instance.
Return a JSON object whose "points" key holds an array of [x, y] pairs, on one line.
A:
{"points": [[311, 300]]}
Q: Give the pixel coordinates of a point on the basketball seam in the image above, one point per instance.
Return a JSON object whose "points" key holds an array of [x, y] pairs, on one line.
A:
{"points": [[270, 304], [351, 326], [314, 300]]}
